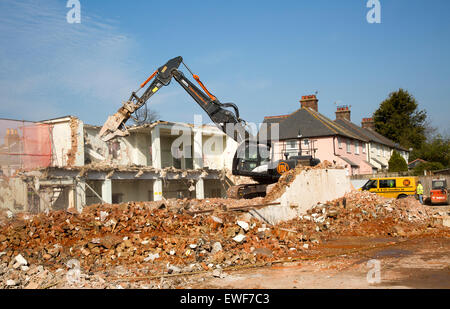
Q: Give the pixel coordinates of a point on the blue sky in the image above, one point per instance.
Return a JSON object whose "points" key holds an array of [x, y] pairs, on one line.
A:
{"points": [[261, 55]]}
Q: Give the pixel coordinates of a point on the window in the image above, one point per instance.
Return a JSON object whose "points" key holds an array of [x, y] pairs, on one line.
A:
{"points": [[384, 151], [291, 148], [387, 183], [364, 145], [370, 184], [339, 143], [356, 147], [348, 145], [291, 144], [306, 142]]}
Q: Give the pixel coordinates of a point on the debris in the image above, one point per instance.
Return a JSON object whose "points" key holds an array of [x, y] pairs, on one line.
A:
{"points": [[263, 251], [151, 257], [239, 238], [173, 269], [216, 247], [20, 260], [244, 225], [103, 215], [216, 219], [11, 282]]}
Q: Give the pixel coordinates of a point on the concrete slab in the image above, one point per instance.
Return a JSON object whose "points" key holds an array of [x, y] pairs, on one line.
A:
{"points": [[307, 189]]}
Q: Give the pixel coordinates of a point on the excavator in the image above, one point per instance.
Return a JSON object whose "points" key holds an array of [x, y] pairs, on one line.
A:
{"points": [[252, 158]]}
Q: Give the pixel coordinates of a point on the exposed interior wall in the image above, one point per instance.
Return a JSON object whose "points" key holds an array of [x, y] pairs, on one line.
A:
{"points": [[214, 147], [178, 189], [61, 196], [214, 188], [230, 150], [67, 141], [185, 160], [132, 190], [133, 149], [13, 194], [91, 198]]}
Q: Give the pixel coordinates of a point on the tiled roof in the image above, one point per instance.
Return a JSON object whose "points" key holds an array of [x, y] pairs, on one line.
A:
{"points": [[308, 123], [349, 161], [368, 134], [379, 162]]}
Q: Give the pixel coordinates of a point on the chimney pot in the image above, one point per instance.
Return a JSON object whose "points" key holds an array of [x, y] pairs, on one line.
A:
{"points": [[368, 123], [310, 101], [343, 112]]}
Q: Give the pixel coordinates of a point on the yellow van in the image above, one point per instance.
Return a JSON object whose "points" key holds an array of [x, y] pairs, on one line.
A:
{"points": [[392, 187]]}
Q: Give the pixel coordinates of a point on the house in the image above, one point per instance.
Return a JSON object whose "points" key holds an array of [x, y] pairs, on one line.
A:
{"points": [[379, 148], [69, 166], [307, 132], [414, 163]]}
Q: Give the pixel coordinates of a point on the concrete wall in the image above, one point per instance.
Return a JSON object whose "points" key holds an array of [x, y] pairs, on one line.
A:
{"points": [[307, 189]]}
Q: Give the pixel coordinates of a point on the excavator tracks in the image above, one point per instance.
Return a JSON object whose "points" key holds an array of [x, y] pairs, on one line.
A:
{"points": [[246, 191]]}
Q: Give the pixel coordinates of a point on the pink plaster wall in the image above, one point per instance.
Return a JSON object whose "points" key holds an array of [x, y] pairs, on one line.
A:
{"points": [[324, 146]]}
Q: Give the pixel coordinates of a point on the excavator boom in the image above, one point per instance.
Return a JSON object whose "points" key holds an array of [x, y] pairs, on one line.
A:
{"points": [[228, 121]]}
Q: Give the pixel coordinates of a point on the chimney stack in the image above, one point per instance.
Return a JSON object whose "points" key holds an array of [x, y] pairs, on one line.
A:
{"points": [[309, 101], [343, 112], [368, 123]]}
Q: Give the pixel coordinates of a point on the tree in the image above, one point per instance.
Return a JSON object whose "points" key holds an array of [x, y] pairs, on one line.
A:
{"points": [[398, 119], [397, 163], [436, 149], [428, 166], [145, 115]]}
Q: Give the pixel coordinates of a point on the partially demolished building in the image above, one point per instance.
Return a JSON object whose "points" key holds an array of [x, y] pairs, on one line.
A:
{"points": [[64, 164]]}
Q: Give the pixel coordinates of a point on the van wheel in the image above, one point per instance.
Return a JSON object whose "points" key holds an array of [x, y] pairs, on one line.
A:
{"points": [[401, 196]]}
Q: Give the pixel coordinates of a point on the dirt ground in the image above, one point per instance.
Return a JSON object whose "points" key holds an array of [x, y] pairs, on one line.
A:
{"points": [[415, 263]]}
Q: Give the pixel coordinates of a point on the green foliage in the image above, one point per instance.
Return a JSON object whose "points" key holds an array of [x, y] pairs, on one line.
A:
{"points": [[436, 150], [398, 119], [428, 166], [397, 163]]}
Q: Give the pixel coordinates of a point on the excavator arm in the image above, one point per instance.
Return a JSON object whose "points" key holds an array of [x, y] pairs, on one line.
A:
{"points": [[228, 121]]}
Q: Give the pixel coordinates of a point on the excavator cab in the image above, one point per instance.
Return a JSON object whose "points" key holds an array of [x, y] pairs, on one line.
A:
{"points": [[252, 159]]}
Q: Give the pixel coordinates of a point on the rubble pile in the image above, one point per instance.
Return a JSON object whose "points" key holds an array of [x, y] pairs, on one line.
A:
{"points": [[148, 236], [178, 236], [366, 214]]}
